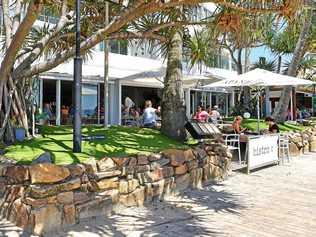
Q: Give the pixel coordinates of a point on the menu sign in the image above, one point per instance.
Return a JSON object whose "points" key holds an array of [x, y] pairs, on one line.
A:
{"points": [[262, 150]]}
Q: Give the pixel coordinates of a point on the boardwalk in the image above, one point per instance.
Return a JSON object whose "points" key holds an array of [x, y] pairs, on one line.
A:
{"points": [[279, 201]]}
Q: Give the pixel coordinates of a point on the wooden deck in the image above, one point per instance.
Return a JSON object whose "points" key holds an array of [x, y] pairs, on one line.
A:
{"points": [[278, 201]]}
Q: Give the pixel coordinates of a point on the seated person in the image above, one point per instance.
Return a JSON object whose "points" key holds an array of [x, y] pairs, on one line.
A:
{"points": [[133, 117], [214, 115], [149, 115], [200, 115], [273, 127], [237, 125]]}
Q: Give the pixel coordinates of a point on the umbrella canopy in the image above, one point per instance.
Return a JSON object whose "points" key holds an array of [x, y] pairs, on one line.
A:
{"points": [[260, 78]]}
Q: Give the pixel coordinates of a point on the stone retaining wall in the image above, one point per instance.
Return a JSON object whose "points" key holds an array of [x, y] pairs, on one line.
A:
{"points": [[302, 142], [44, 197]]}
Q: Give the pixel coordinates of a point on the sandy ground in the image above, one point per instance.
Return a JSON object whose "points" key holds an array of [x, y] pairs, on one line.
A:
{"points": [[277, 201]]}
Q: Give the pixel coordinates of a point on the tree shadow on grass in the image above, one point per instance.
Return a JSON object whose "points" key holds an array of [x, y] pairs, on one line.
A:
{"points": [[119, 141]]}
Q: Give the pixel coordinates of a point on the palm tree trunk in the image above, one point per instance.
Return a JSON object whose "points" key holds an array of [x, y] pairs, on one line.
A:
{"points": [[173, 107], [280, 111]]}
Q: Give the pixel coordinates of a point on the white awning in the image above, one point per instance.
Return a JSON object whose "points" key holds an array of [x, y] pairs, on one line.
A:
{"points": [[135, 71], [120, 66], [260, 78]]}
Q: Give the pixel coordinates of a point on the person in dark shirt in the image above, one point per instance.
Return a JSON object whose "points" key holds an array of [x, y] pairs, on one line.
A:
{"points": [[273, 127]]}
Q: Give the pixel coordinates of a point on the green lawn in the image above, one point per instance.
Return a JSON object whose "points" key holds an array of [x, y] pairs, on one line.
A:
{"points": [[286, 127], [120, 141]]}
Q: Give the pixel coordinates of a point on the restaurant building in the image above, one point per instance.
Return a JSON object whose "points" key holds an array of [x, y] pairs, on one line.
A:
{"points": [[138, 78]]}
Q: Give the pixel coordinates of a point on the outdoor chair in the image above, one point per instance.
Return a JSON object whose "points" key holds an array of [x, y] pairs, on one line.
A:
{"points": [[284, 148], [232, 141]]}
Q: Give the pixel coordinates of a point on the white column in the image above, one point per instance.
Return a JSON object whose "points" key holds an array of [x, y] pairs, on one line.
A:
{"points": [[226, 104], [58, 101], [209, 102], [187, 103], [230, 63], [98, 103], [41, 95], [291, 106], [232, 99], [120, 102]]}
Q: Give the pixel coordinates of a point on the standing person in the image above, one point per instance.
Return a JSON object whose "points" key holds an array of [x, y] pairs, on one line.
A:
{"points": [[273, 127], [64, 114], [48, 113], [200, 115], [214, 115], [149, 115]]}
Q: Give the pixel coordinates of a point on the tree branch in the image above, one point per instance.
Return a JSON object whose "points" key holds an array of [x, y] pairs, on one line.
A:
{"points": [[17, 16], [40, 46], [138, 9], [7, 22], [33, 10]]}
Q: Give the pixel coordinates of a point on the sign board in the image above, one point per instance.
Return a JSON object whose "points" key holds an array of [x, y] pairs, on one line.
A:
{"points": [[262, 151]]}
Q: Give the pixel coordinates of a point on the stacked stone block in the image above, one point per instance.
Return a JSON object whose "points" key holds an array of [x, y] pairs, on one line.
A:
{"points": [[45, 197]]}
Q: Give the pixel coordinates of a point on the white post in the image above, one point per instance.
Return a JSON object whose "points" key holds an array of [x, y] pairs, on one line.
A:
{"points": [[120, 102], [230, 63], [226, 105], [291, 106], [232, 99], [267, 101], [193, 102], [258, 112], [187, 103], [210, 99], [58, 101], [98, 104]]}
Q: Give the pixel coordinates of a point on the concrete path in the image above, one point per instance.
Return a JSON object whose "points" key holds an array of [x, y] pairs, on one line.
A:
{"points": [[278, 201]]}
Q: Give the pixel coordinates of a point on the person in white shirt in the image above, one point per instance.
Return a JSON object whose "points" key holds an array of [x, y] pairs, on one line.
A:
{"points": [[149, 115], [214, 115]]}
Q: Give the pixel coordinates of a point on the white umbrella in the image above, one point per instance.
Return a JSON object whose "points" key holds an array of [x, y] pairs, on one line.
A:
{"points": [[260, 78]]}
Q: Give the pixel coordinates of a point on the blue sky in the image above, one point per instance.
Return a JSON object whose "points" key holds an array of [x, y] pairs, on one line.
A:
{"points": [[264, 52]]}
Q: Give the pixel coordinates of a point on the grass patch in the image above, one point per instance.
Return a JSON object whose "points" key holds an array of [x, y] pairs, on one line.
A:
{"points": [[120, 141], [251, 124]]}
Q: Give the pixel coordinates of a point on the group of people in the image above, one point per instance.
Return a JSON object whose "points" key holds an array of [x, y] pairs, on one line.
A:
{"points": [[211, 115], [136, 117], [272, 125], [49, 113]]}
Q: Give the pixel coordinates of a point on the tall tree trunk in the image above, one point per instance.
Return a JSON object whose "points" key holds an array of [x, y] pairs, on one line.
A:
{"points": [[280, 111], [173, 106]]}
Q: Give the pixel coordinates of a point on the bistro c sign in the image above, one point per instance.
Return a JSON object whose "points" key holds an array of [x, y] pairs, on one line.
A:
{"points": [[262, 151]]}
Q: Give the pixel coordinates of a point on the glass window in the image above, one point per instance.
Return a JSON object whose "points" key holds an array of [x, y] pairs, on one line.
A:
{"points": [[89, 102]]}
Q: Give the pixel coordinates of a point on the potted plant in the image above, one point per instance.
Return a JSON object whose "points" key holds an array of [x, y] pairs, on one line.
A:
{"points": [[19, 132]]}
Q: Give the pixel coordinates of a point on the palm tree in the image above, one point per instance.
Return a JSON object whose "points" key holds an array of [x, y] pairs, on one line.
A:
{"points": [[301, 44], [264, 64]]}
